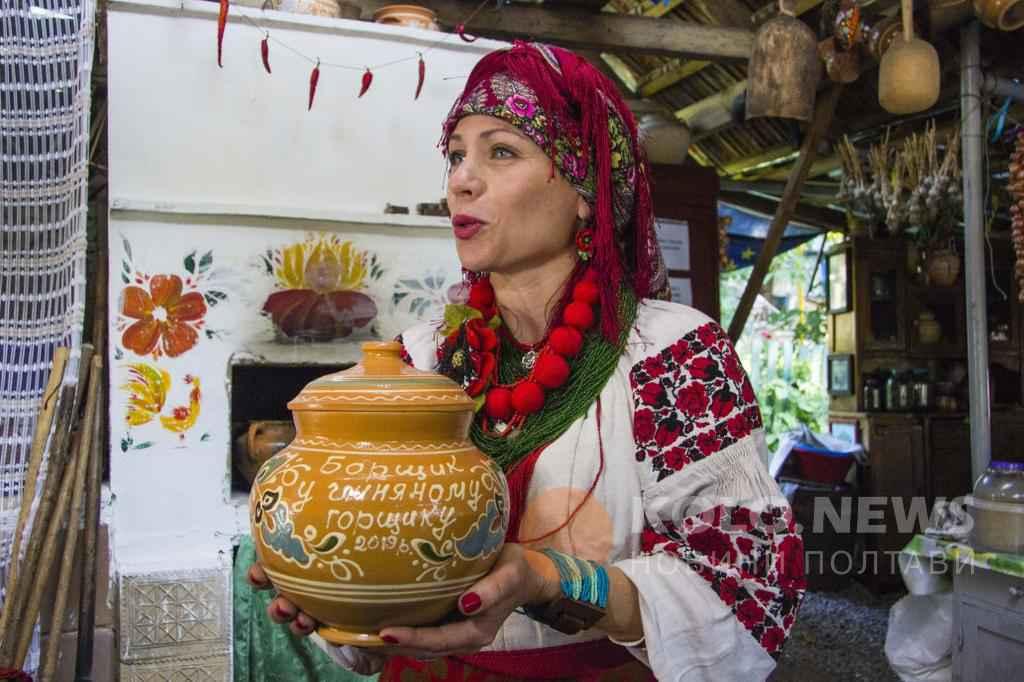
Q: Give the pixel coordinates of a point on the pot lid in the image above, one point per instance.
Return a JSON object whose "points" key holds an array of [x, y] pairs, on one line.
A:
{"points": [[382, 382]]}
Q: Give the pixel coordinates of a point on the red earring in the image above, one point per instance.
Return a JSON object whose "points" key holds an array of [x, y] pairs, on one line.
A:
{"points": [[585, 243]]}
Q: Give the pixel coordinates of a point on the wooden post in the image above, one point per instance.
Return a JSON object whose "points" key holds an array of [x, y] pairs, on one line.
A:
{"points": [[823, 113]]}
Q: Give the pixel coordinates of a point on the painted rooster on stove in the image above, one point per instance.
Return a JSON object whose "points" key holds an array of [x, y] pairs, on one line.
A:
{"points": [[148, 387]]}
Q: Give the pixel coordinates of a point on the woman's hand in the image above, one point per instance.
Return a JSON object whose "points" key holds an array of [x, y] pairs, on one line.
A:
{"points": [[280, 610], [519, 577]]}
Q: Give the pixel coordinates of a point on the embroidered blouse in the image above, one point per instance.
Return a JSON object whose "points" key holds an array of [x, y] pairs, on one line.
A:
{"points": [[685, 505]]}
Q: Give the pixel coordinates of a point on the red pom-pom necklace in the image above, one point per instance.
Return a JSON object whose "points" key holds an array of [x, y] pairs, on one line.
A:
{"points": [[506, 406]]}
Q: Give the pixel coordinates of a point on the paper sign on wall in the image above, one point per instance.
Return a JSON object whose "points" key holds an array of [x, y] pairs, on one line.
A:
{"points": [[682, 290], [674, 238]]}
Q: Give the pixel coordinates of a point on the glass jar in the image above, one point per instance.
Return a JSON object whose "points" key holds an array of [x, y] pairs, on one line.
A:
{"points": [[997, 508]]}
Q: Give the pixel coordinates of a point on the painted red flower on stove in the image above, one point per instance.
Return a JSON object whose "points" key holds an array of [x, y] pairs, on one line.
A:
{"points": [[166, 320]]}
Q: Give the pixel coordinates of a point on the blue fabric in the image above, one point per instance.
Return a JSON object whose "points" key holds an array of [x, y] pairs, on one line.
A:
{"points": [[748, 230]]}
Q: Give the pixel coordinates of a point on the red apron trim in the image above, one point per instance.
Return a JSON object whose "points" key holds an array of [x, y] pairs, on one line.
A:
{"points": [[581, 661]]}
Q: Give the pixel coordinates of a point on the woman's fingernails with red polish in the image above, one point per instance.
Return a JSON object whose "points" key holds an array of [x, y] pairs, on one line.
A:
{"points": [[282, 612], [470, 602], [389, 639]]}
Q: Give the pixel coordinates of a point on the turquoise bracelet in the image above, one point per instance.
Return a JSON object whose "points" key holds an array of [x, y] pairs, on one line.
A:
{"points": [[581, 579]]}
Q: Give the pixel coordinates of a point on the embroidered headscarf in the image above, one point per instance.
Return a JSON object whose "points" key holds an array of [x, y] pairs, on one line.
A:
{"points": [[576, 115]]}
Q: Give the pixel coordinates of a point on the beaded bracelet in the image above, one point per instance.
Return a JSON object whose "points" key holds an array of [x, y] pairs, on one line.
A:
{"points": [[581, 579], [584, 587]]}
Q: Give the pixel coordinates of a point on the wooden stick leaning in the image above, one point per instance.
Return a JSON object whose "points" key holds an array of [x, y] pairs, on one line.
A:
{"points": [[45, 561], [87, 602], [67, 414], [15, 603], [47, 407], [83, 462], [90, 533]]}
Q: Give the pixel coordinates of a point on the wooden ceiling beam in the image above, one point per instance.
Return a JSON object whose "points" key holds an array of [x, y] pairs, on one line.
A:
{"points": [[580, 29], [712, 112]]}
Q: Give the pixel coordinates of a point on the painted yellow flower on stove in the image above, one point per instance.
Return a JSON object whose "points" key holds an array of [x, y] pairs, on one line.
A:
{"points": [[318, 283], [147, 387]]}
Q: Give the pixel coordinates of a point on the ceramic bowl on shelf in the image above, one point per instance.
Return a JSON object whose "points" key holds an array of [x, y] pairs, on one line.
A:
{"points": [[412, 16], [381, 511]]}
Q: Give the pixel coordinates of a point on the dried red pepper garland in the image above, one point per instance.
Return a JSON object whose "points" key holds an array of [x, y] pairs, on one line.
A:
{"points": [[367, 79], [265, 52], [222, 22], [422, 73], [314, 78], [472, 345]]}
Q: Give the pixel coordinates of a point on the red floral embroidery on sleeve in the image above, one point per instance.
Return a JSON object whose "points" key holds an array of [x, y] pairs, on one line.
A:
{"points": [[753, 562], [691, 400]]}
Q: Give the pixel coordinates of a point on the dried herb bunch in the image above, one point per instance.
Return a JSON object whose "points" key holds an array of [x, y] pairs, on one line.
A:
{"points": [[911, 189]]}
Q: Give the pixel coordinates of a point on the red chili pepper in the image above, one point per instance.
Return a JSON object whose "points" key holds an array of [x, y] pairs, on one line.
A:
{"points": [[222, 21], [461, 30], [423, 74], [313, 78], [367, 79], [265, 53]]}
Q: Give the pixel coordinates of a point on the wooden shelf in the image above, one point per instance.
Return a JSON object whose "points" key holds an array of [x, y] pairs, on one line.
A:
{"points": [[340, 216]]}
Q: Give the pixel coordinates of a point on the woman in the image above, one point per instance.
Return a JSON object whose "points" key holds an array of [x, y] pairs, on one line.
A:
{"points": [[643, 521]]}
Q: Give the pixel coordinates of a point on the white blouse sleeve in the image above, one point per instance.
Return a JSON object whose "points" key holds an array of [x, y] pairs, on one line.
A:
{"points": [[720, 574]]}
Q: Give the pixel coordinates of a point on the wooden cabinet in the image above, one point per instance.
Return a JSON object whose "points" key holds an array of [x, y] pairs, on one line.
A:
{"points": [[948, 458], [880, 292], [924, 453], [988, 626], [896, 470]]}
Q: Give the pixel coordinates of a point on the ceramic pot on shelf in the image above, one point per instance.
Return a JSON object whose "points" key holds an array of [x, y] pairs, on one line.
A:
{"points": [[929, 331], [412, 16], [262, 440], [1005, 15], [943, 268], [381, 512]]}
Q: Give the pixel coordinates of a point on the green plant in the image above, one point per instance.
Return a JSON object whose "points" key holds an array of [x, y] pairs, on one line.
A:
{"points": [[788, 403]]}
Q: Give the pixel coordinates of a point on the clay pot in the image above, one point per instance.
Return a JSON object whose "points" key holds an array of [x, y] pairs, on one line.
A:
{"points": [[261, 441], [928, 330], [841, 66], [1005, 15], [412, 16], [943, 268], [381, 512]]}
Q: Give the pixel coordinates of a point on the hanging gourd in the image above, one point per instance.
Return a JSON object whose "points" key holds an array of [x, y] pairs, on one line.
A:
{"points": [[908, 77], [784, 69]]}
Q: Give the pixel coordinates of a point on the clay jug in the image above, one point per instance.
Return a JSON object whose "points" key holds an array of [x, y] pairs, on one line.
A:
{"points": [[943, 268], [909, 76], [381, 512], [928, 330], [1006, 15]]}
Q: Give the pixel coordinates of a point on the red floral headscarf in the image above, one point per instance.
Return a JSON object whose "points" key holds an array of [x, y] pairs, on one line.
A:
{"points": [[574, 113]]}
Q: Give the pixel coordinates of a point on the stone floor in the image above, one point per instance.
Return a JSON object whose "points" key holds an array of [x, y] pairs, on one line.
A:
{"points": [[839, 636]]}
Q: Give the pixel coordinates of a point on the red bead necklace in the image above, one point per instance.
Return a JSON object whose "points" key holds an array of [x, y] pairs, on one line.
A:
{"points": [[512, 403]]}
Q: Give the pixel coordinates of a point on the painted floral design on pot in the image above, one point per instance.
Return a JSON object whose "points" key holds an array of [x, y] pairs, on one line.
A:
{"points": [[163, 314], [381, 511], [318, 283]]}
